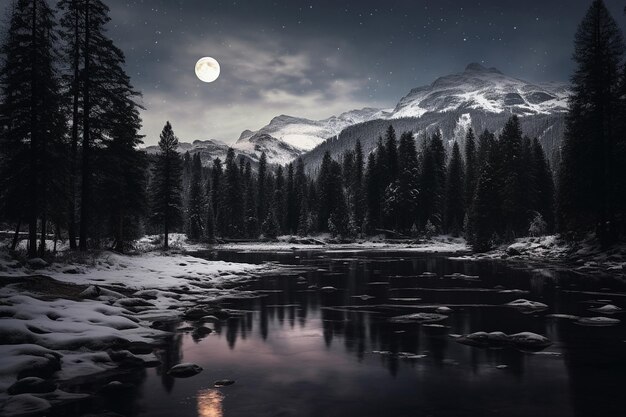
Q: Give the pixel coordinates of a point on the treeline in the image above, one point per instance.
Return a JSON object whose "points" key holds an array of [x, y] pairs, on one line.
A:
{"points": [[496, 189], [69, 124], [70, 163]]}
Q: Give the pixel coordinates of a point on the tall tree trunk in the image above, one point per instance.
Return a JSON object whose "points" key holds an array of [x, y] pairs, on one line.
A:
{"points": [[16, 235], [166, 245], [57, 233], [32, 221], [74, 149], [42, 243], [86, 169]]}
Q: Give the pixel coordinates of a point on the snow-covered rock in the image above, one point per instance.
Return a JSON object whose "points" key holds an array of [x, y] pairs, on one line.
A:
{"points": [[33, 385], [419, 318], [527, 305], [184, 370], [523, 340], [24, 405], [607, 309], [597, 321]]}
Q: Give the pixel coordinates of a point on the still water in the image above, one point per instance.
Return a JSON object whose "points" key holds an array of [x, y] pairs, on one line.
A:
{"points": [[300, 351]]}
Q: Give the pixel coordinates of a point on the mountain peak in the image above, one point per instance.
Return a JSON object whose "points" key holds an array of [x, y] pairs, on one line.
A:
{"points": [[476, 67]]}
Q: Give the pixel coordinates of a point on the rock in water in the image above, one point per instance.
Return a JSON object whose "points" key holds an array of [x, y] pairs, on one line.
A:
{"points": [[527, 305], [607, 309], [185, 370], [31, 384], [523, 340], [24, 405], [419, 318], [223, 383], [597, 321], [529, 340]]}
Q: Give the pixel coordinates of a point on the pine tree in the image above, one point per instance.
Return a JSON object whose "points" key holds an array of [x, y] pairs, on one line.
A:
{"points": [[514, 205], [95, 82], [391, 152], [455, 197], [196, 205], [209, 234], [166, 184], [301, 188], [433, 180], [251, 221], [217, 196], [543, 186], [124, 182], [587, 185], [291, 202], [408, 182], [359, 200], [32, 143], [484, 210], [233, 213], [263, 199], [471, 166]]}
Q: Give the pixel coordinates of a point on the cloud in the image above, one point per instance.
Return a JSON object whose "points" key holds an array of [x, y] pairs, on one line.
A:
{"points": [[260, 79]]}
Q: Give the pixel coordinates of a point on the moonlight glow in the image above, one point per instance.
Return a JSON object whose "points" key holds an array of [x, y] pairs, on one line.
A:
{"points": [[207, 69]]}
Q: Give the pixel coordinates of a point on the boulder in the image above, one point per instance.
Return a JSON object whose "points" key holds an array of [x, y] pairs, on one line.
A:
{"points": [[31, 384], [36, 263], [184, 370]]}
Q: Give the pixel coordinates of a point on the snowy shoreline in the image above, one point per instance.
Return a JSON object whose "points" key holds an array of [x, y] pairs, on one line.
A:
{"points": [[66, 321]]}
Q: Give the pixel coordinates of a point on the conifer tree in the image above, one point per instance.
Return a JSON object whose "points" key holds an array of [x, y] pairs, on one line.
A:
{"points": [[251, 221], [263, 199], [166, 184], [471, 166], [587, 185], [408, 182], [514, 205], [233, 213], [124, 182], [217, 196], [95, 82], [359, 201], [543, 185], [196, 205], [291, 202], [433, 181], [455, 197], [391, 152], [32, 141]]}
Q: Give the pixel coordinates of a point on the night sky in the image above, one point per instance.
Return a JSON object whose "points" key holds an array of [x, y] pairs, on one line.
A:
{"points": [[318, 58]]}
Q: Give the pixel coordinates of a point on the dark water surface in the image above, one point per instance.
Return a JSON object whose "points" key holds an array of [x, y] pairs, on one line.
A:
{"points": [[304, 352]]}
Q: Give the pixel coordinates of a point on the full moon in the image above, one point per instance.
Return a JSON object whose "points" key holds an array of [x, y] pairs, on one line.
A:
{"points": [[207, 69]]}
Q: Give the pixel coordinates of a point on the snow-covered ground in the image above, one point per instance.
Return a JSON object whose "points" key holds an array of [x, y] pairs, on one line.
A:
{"points": [[586, 256], [87, 314], [443, 244]]}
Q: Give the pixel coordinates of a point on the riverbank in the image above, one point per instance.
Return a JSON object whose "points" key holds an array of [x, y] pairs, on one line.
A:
{"points": [[83, 315]]}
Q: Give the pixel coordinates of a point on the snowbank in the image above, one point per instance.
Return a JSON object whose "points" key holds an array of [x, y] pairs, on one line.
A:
{"points": [[97, 313], [444, 243]]}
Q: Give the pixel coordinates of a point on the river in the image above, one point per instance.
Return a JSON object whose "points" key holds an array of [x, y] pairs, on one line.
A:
{"points": [[299, 349]]}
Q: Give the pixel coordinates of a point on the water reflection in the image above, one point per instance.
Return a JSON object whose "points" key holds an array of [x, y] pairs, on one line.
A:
{"points": [[210, 403], [301, 351]]}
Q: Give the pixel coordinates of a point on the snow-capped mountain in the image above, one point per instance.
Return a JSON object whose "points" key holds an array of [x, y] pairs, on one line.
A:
{"points": [[486, 89], [478, 97], [305, 134], [277, 151]]}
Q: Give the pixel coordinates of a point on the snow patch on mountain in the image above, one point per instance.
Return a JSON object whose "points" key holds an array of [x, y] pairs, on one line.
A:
{"points": [[305, 134], [485, 89]]}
